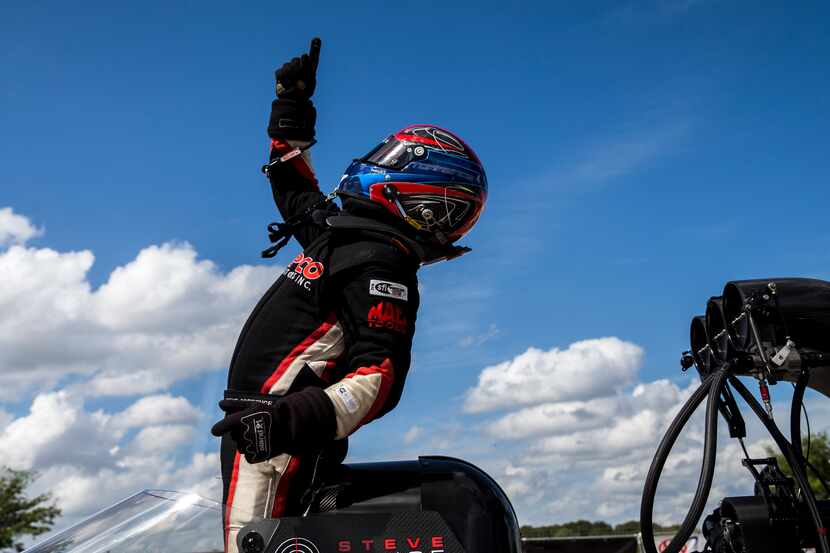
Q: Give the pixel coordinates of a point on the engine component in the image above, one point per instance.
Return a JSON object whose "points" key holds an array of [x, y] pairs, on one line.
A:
{"points": [[702, 352], [770, 329], [780, 326]]}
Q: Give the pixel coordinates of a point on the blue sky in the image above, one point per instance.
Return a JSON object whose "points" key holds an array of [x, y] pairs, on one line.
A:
{"points": [[639, 155]]}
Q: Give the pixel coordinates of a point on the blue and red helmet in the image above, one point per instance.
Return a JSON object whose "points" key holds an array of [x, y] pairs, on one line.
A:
{"points": [[426, 176]]}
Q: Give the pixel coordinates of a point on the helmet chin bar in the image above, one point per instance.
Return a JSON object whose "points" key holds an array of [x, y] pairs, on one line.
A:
{"points": [[419, 212], [391, 194]]}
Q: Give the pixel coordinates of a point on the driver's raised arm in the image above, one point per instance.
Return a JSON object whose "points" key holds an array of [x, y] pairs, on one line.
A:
{"points": [[291, 126]]}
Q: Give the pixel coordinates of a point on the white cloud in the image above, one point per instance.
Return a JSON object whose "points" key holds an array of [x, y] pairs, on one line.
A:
{"points": [[5, 419], [159, 439], [412, 435], [163, 317], [610, 510], [622, 435], [553, 418], [89, 460], [480, 339], [158, 409], [568, 417], [80, 492], [168, 280], [590, 368], [566, 453], [573, 438], [200, 475], [56, 430], [16, 229]]}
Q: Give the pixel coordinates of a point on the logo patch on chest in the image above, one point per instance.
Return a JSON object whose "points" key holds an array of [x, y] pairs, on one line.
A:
{"points": [[303, 270], [388, 289]]}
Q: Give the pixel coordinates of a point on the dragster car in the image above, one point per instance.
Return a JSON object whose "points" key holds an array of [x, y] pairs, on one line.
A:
{"points": [[432, 505]]}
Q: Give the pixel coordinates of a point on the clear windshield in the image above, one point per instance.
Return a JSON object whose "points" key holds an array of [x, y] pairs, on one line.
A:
{"points": [[150, 521]]}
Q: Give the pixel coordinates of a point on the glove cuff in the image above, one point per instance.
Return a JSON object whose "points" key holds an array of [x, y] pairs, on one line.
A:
{"points": [[308, 420], [292, 119]]}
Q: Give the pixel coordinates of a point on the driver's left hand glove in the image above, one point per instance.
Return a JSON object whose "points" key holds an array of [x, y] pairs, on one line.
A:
{"points": [[266, 426]]}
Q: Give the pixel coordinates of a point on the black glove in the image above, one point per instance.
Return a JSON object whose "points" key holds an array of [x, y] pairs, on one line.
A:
{"points": [[292, 114], [264, 426], [297, 79], [254, 425]]}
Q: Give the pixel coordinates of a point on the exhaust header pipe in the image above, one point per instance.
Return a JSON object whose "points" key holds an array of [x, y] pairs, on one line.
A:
{"points": [[782, 324], [716, 329], [797, 309], [701, 348]]}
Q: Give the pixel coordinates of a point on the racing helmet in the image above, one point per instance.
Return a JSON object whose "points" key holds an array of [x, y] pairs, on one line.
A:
{"points": [[424, 175]]}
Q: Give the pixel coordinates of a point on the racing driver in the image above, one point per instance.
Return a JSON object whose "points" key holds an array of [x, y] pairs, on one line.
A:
{"points": [[327, 348]]}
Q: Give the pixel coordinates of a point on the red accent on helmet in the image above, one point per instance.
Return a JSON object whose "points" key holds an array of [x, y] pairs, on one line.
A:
{"points": [[407, 135], [376, 194], [408, 189], [440, 186]]}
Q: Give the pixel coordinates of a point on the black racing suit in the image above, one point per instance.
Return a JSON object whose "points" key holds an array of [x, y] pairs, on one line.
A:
{"points": [[332, 335]]}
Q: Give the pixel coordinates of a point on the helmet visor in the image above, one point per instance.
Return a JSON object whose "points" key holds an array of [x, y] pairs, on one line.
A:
{"points": [[391, 153]]}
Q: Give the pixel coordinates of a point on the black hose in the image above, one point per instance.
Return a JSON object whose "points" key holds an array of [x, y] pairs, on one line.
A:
{"points": [[795, 417], [712, 388], [671, 435], [789, 454]]}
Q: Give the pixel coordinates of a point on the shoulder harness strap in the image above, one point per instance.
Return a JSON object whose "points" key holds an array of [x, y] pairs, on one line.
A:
{"points": [[280, 233]]}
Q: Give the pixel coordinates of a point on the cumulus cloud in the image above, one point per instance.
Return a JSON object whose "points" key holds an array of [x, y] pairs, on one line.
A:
{"points": [[590, 368], [89, 459], [165, 316], [573, 419], [80, 492], [158, 439], [158, 409], [564, 450], [552, 488], [623, 434], [5, 419], [51, 432], [15, 228], [161, 318], [553, 418], [568, 432], [58, 430]]}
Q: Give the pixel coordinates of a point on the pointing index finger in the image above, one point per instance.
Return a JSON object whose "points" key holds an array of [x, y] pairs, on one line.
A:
{"points": [[314, 51]]}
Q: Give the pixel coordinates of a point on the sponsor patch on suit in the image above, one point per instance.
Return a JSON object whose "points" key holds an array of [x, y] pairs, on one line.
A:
{"points": [[388, 289]]}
